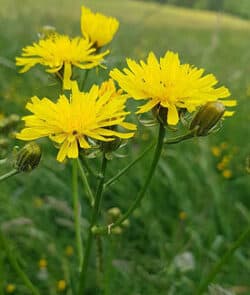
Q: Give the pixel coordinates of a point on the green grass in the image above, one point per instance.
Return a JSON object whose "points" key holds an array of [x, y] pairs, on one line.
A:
{"points": [[141, 260]]}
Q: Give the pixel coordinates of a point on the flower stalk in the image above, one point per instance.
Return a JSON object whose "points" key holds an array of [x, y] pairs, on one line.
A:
{"points": [[9, 174], [98, 199], [136, 203], [86, 183], [76, 206]]}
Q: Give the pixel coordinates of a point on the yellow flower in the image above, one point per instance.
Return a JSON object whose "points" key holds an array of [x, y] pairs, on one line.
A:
{"points": [[227, 173], [182, 215], [100, 29], [170, 84], [72, 122], [10, 288], [216, 151], [69, 250], [38, 202], [42, 263], [61, 285], [109, 86], [59, 52]]}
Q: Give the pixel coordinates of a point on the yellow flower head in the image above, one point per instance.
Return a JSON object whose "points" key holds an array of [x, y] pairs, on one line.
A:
{"points": [[10, 288], [227, 173], [100, 29], [109, 86], [69, 250], [57, 52], [61, 285], [42, 263], [72, 122], [216, 151], [170, 84]]}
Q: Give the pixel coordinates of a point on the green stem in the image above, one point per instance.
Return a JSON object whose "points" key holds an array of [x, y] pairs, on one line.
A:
{"points": [[88, 168], [125, 169], [215, 270], [84, 79], [9, 174], [86, 183], [178, 139], [157, 153], [76, 206], [3, 161], [16, 267], [98, 198]]}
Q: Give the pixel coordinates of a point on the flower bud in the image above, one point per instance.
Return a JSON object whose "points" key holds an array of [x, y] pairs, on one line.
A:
{"points": [[114, 212], [28, 157], [207, 117]]}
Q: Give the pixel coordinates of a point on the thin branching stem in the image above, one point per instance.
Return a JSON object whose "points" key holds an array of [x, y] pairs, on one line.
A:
{"points": [[86, 183], [130, 165], [98, 199], [76, 207], [9, 174], [140, 196]]}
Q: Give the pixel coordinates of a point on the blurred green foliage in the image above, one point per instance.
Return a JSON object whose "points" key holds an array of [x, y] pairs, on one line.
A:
{"points": [[240, 8], [191, 213]]}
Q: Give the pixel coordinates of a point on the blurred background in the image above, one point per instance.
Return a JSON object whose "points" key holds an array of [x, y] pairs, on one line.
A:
{"points": [[199, 199]]}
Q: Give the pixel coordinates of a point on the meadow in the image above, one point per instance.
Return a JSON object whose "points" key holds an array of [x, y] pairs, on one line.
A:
{"points": [[192, 212]]}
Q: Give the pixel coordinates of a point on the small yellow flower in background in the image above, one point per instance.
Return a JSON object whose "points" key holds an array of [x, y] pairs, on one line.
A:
{"points": [[221, 166], [10, 288], [42, 263], [182, 215], [227, 173], [226, 159], [72, 122], [216, 151], [60, 52], [170, 84], [224, 145], [100, 29], [1, 116], [61, 285], [38, 202], [69, 251]]}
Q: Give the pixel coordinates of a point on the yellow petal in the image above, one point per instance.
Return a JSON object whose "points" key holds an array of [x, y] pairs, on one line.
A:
{"points": [[66, 76]]}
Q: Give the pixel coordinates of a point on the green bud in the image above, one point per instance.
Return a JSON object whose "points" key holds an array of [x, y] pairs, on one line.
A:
{"points": [[207, 117], [28, 157], [126, 223], [114, 212]]}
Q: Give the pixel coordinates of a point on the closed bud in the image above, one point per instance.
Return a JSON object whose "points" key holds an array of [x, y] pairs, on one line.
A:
{"points": [[114, 212], [207, 117], [28, 157]]}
